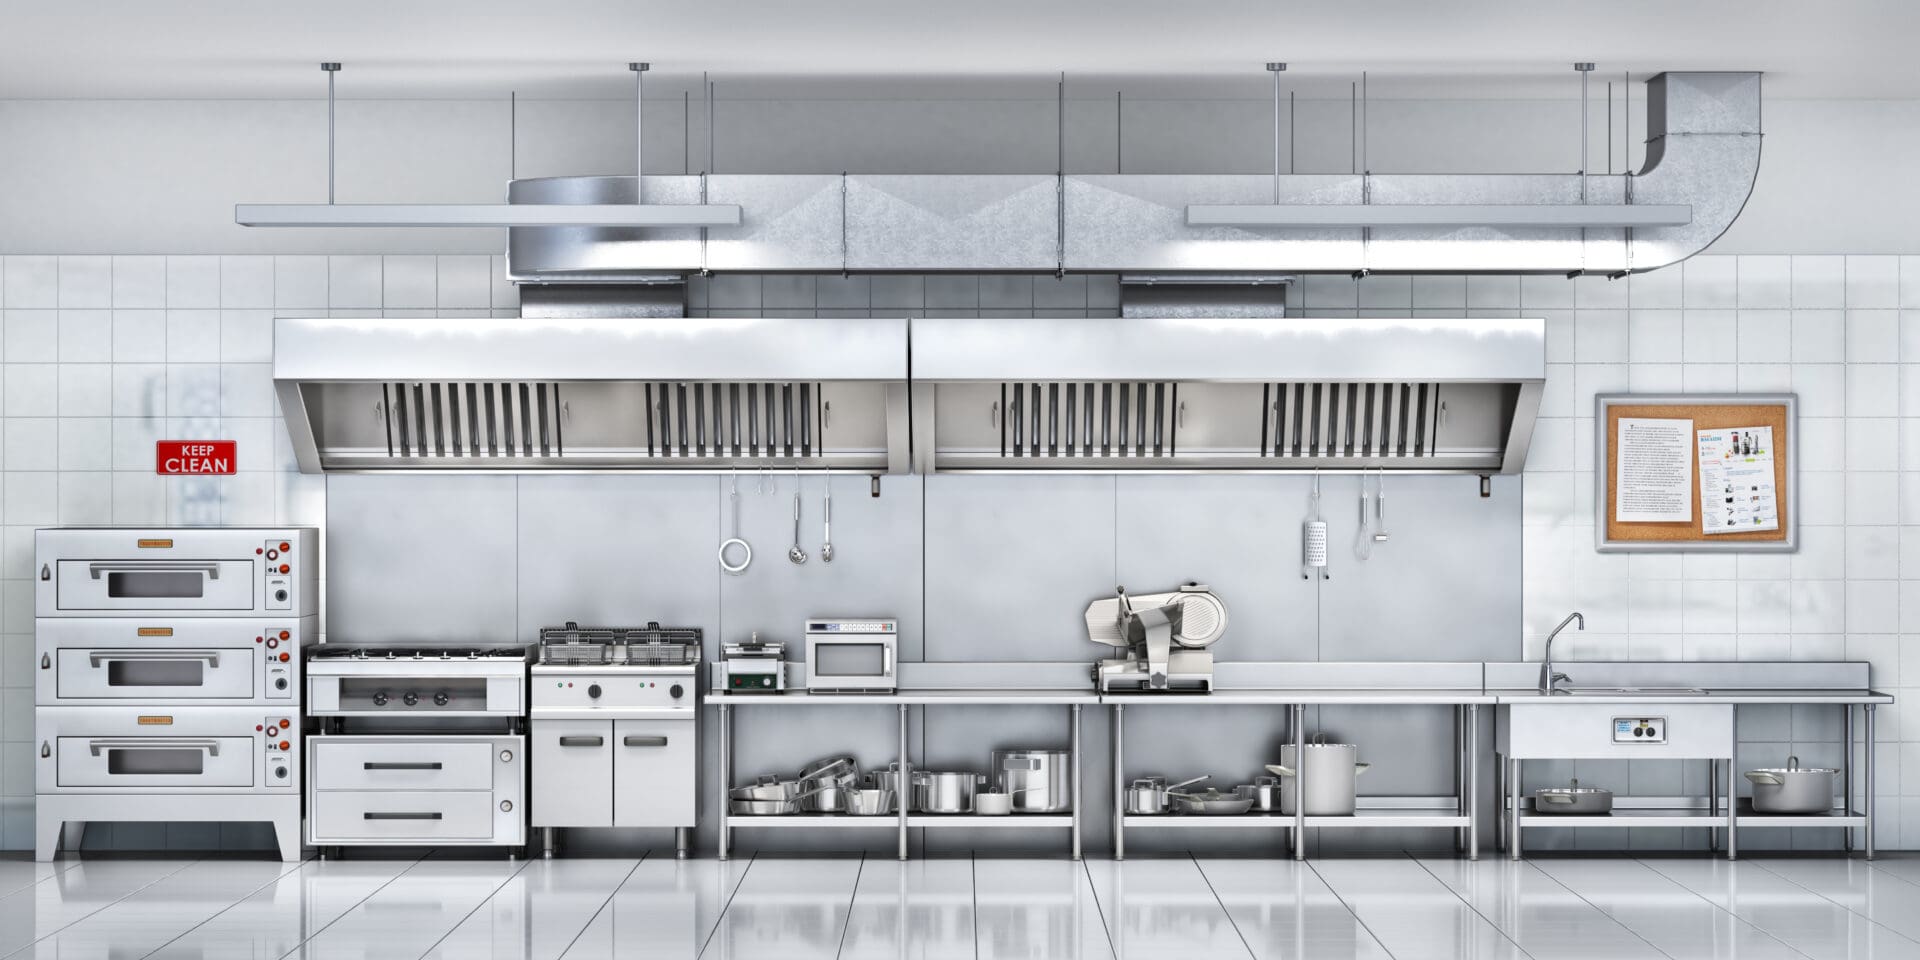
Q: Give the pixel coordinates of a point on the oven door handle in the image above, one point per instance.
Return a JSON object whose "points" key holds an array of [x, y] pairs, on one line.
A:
{"points": [[400, 815], [645, 741], [210, 568], [582, 741], [210, 745], [98, 657], [415, 765]]}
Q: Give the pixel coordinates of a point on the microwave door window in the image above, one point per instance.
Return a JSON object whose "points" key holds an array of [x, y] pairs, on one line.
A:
{"points": [[850, 660], [156, 585]]}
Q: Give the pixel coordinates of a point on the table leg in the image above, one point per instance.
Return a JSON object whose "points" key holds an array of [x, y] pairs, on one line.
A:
{"points": [[1299, 782], [1713, 802], [1459, 775], [1473, 781], [1513, 815], [1733, 811], [1867, 764], [1118, 721], [1075, 771], [726, 776], [906, 781], [1846, 766], [1499, 793]]}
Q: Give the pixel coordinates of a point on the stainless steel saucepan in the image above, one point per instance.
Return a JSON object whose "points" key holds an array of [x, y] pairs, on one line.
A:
{"points": [[1147, 797]]}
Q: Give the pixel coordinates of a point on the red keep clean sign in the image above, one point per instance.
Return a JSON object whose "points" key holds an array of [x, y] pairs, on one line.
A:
{"points": [[176, 458]]}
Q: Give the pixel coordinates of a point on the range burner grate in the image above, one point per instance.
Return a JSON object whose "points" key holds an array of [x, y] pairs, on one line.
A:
{"points": [[652, 645]]}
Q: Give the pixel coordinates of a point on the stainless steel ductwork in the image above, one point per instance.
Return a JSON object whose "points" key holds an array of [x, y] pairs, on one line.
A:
{"points": [[597, 393], [1703, 155], [1228, 394]]}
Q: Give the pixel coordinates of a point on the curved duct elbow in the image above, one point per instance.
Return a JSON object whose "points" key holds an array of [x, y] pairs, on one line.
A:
{"points": [[1703, 149]]}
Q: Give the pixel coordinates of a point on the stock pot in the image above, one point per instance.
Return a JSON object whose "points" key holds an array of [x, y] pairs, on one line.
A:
{"points": [[1793, 788]]}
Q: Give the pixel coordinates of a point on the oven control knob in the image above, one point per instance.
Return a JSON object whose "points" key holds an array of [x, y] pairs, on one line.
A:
{"points": [[273, 554], [284, 745], [279, 683], [593, 690], [279, 773], [440, 699], [676, 691], [380, 699], [271, 643], [411, 698]]}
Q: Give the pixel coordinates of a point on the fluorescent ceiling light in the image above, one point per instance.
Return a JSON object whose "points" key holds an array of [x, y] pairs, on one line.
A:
{"points": [[486, 215], [1438, 215]]}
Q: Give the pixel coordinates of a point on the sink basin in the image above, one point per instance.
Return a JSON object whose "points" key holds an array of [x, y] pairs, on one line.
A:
{"points": [[1633, 691]]}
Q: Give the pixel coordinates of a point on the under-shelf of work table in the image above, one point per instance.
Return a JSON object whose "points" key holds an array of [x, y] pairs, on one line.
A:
{"points": [[1689, 696], [1345, 684], [900, 700]]}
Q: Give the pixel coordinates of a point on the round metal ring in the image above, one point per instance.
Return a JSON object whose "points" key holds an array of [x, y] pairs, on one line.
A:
{"points": [[744, 561]]}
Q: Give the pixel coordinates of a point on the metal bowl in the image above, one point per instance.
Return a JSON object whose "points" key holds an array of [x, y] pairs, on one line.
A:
{"points": [[871, 802], [1573, 800], [762, 808]]}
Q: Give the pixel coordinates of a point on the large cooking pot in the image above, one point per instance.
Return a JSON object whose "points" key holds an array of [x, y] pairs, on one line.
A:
{"points": [[1330, 770], [945, 792], [1793, 788], [1039, 781]]}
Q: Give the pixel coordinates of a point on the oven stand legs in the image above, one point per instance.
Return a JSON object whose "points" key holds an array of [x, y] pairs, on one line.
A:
{"points": [[546, 838], [682, 842]]}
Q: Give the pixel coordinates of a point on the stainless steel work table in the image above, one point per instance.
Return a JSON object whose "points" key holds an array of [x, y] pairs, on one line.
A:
{"points": [[1457, 812], [1842, 685], [900, 700]]}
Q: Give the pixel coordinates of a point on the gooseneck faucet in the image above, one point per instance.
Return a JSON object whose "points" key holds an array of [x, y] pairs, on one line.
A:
{"points": [[1547, 677]]}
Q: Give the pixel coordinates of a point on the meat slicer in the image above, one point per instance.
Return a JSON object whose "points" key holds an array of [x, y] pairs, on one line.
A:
{"points": [[1163, 638]]}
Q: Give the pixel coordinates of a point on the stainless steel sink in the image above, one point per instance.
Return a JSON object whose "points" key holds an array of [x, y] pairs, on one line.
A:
{"points": [[1633, 691]]}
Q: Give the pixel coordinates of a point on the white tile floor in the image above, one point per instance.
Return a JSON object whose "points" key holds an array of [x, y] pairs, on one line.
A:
{"points": [[1389, 908]]}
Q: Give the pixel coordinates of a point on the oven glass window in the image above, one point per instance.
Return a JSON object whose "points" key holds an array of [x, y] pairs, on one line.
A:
{"points": [[156, 585], [850, 660], [156, 762], [156, 673]]}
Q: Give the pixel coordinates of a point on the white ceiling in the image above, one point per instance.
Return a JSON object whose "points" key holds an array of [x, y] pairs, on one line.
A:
{"points": [[578, 48]]}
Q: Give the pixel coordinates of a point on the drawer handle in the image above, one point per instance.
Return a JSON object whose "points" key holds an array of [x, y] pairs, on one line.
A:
{"points": [[210, 745], [582, 741], [212, 570], [645, 741], [98, 657], [425, 765], [398, 815]]}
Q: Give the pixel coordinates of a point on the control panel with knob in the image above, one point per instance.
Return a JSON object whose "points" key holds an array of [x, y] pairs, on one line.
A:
{"points": [[612, 690], [278, 753]]}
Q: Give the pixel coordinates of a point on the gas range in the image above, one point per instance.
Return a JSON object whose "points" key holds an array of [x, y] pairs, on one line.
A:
{"points": [[448, 680]]}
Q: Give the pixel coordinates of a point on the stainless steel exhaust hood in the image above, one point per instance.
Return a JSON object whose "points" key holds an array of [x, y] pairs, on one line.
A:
{"points": [[1228, 394], [530, 394]]}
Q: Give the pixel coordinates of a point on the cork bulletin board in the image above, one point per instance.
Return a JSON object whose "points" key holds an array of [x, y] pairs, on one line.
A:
{"points": [[1741, 414]]}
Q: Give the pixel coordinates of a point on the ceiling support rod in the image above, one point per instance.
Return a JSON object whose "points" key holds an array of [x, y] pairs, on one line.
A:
{"points": [[1586, 70], [331, 69], [639, 130], [1277, 68]]}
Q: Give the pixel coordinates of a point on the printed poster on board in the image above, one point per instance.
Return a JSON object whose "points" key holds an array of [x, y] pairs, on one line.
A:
{"points": [[1736, 480]]}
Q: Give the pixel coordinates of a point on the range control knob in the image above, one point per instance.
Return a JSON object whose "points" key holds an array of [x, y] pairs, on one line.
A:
{"points": [[440, 699], [411, 698], [380, 699], [676, 691], [279, 773], [593, 690]]}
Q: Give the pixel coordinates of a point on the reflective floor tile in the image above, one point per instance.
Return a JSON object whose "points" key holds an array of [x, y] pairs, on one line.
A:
{"points": [[1038, 909], [787, 910], [664, 908], [1544, 917], [1158, 907], [1857, 885], [539, 913], [1664, 913], [274, 920], [78, 892], [405, 918], [1284, 912], [1805, 921], [1411, 913], [18, 874], [155, 915], [921, 909]]}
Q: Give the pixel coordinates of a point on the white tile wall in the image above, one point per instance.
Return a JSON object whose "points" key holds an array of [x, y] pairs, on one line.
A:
{"points": [[1829, 329], [102, 356]]}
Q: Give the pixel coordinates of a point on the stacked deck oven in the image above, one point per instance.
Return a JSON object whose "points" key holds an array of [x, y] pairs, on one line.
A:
{"points": [[167, 681]]}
